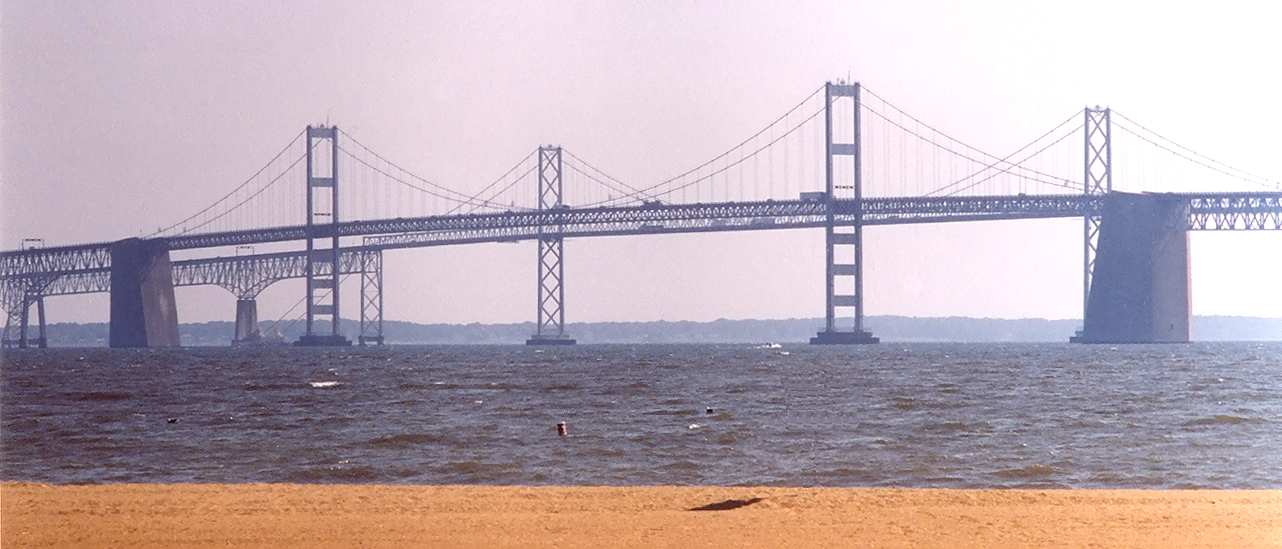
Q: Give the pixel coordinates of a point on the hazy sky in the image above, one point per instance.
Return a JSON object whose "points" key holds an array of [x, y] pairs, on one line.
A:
{"points": [[119, 117]]}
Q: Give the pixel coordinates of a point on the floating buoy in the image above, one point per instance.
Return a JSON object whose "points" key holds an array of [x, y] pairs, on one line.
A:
{"points": [[561, 429]]}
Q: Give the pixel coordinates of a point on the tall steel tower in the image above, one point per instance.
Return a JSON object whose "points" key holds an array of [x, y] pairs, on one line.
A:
{"points": [[551, 268], [322, 237], [845, 266]]}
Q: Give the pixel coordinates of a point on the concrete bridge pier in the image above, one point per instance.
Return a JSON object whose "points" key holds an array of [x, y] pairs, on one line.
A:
{"points": [[1140, 290], [246, 322], [24, 340], [143, 310]]}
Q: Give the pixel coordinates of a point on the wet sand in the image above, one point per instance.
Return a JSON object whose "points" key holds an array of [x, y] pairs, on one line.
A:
{"points": [[314, 516]]}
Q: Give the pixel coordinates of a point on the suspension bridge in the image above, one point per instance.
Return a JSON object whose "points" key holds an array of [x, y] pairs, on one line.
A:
{"points": [[842, 159]]}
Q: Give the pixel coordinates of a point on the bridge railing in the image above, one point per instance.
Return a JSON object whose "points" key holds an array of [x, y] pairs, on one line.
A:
{"points": [[1235, 212], [56, 259]]}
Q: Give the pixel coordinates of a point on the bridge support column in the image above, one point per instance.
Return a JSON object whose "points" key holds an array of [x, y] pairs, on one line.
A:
{"points": [[143, 310], [550, 329], [844, 277], [1098, 178], [247, 322], [322, 239], [1140, 285], [551, 296], [371, 297], [23, 317]]}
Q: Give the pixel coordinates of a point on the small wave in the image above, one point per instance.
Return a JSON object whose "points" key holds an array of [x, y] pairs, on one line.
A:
{"points": [[1220, 419], [559, 387], [470, 467], [613, 452], [97, 396], [266, 386], [629, 389], [406, 440], [1031, 471], [83, 481], [337, 473], [904, 403], [324, 384], [474, 471], [848, 476], [670, 412], [734, 437], [683, 465], [950, 427], [1119, 479]]}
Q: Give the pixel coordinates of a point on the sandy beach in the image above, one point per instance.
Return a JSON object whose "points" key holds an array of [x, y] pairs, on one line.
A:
{"points": [[279, 515]]}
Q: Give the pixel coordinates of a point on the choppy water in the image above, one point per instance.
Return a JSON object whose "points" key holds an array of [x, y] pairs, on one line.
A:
{"points": [[915, 415]]}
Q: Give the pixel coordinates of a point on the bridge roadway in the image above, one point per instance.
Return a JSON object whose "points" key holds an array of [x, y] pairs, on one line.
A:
{"points": [[1207, 211], [659, 218], [89, 266], [245, 276]]}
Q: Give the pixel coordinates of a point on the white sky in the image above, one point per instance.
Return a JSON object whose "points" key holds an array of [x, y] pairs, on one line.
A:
{"points": [[119, 117]]}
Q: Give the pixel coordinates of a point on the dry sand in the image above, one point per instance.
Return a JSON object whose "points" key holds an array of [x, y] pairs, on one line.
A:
{"points": [[278, 515]]}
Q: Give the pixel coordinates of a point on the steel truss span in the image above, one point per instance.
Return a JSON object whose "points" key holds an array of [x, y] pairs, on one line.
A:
{"points": [[745, 216], [1207, 211], [245, 276], [1235, 212], [647, 219], [86, 269], [732, 216], [62, 259]]}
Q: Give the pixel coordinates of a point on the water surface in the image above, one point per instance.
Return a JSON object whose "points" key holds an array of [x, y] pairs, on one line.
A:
{"points": [[1203, 415]]}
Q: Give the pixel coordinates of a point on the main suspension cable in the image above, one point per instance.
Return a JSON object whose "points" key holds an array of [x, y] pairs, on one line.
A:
{"points": [[238, 188], [1069, 184], [1206, 162], [651, 189], [1009, 165]]}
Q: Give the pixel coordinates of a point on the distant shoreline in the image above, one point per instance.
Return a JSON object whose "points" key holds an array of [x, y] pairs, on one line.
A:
{"points": [[888, 328]]}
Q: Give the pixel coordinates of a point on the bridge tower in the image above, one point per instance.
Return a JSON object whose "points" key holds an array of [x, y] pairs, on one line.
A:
{"points": [[1136, 268], [551, 267], [1098, 178], [845, 266], [322, 237]]}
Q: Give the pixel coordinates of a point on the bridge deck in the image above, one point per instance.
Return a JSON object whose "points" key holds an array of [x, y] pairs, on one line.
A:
{"points": [[85, 268]]}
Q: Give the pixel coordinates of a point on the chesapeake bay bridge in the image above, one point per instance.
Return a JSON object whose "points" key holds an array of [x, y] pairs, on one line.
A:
{"points": [[841, 160]]}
